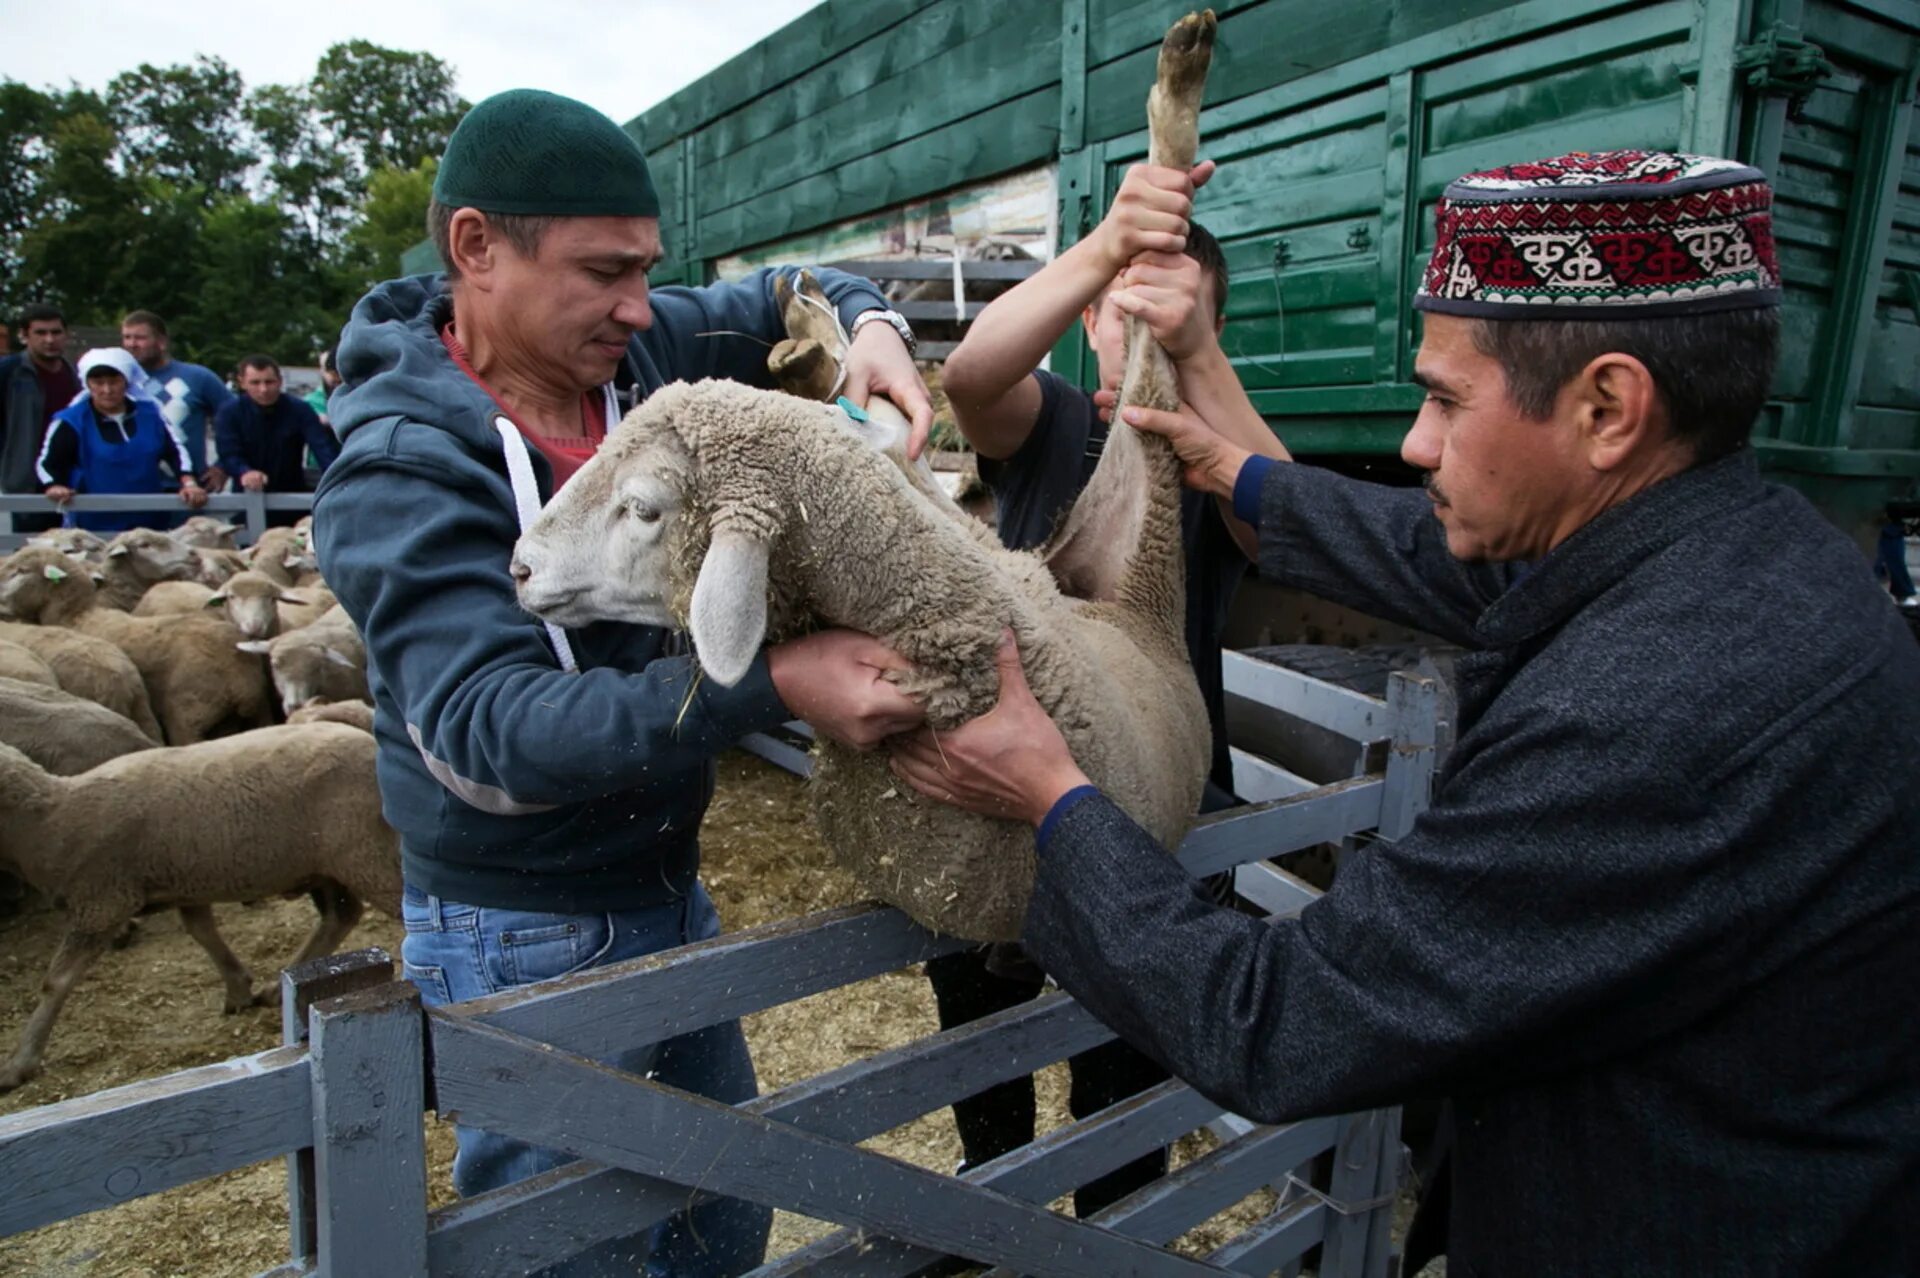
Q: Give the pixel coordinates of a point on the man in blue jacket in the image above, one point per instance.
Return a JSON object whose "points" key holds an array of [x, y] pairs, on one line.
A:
{"points": [[548, 785], [263, 436]]}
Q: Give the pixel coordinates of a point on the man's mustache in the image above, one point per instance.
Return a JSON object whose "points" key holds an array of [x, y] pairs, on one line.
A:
{"points": [[1432, 485]]}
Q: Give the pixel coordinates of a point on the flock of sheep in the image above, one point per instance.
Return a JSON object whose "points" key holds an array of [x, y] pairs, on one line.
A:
{"points": [[182, 723]]}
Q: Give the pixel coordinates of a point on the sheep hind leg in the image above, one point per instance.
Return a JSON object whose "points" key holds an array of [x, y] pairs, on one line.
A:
{"points": [[76, 954], [198, 920], [339, 911]]}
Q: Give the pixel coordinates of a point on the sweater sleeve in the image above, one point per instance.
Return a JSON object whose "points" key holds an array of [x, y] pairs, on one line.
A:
{"points": [[1540, 917], [228, 446], [496, 720], [59, 455], [1371, 547], [723, 330], [323, 442]]}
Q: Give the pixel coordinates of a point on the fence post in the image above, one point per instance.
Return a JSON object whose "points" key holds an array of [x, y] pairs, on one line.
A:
{"points": [[1412, 712], [368, 1051], [256, 514], [300, 988], [1366, 1177]]}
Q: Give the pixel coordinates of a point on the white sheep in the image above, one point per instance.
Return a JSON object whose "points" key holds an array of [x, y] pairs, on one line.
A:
{"points": [[749, 515], [323, 661], [88, 667], [207, 532], [278, 811], [86, 546], [140, 557], [20, 662], [199, 684], [358, 714], [168, 598], [63, 733]]}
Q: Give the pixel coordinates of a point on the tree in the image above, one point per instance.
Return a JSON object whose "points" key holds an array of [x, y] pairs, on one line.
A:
{"points": [[183, 123], [396, 108], [392, 220], [307, 175]]}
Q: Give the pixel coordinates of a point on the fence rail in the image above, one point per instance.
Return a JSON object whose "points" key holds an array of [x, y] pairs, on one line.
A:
{"points": [[344, 1106], [254, 506]]}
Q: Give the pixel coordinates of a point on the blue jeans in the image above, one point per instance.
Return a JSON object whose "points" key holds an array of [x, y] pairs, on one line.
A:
{"points": [[457, 952]]}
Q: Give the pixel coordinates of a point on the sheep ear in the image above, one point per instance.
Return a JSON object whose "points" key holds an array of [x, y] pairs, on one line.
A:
{"points": [[214, 601], [258, 647], [116, 552], [339, 658], [54, 574], [729, 614], [290, 599]]}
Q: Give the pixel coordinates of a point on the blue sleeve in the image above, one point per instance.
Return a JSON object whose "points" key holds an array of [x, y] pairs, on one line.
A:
{"points": [[474, 677], [323, 442], [209, 387], [723, 330], [227, 446]]}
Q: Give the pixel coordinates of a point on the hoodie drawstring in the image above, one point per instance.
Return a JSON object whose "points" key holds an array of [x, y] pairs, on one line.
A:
{"points": [[526, 502]]}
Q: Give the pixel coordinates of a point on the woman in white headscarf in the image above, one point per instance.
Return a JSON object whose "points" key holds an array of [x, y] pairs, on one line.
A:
{"points": [[113, 439]]}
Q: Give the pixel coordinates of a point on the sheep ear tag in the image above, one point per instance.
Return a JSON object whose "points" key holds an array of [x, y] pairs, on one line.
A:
{"points": [[728, 618], [54, 574]]}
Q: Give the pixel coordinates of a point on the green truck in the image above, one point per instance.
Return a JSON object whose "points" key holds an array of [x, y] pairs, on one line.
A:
{"points": [[1336, 125]]}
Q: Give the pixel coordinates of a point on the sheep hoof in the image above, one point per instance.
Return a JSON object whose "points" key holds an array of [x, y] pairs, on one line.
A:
{"points": [[14, 1075], [127, 935], [266, 998]]}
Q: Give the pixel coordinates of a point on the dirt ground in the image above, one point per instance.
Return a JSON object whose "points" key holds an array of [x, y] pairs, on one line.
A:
{"points": [[154, 1007]]}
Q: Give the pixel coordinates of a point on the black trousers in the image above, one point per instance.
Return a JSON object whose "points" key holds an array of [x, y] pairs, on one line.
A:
{"points": [[1001, 1119]]}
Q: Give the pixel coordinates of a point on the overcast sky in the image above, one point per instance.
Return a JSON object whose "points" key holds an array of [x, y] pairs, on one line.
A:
{"points": [[620, 55]]}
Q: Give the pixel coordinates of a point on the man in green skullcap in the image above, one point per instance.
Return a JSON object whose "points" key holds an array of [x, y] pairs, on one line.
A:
{"points": [[548, 785]]}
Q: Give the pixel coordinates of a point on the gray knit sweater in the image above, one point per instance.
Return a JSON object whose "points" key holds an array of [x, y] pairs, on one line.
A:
{"points": [[1658, 936]]}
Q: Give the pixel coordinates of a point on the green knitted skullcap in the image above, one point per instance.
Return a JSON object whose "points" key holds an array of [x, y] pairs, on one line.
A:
{"points": [[526, 151]]}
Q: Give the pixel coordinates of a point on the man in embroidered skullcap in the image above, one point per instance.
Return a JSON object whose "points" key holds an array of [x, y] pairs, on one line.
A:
{"points": [[1656, 936], [548, 784]]}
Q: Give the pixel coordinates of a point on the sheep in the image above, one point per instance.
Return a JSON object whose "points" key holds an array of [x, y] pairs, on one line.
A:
{"points": [[747, 514], [318, 602], [199, 684], [357, 713], [26, 665], [140, 557], [277, 811], [63, 733], [166, 598], [281, 554], [205, 532], [323, 661], [88, 667], [80, 543]]}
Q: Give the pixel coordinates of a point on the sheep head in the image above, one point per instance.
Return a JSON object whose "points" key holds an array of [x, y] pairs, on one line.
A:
{"points": [[251, 600], [676, 520], [154, 556], [45, 586]]}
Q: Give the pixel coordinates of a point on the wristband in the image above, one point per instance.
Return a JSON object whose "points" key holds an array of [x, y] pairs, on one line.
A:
{"points": [[894, 319]]}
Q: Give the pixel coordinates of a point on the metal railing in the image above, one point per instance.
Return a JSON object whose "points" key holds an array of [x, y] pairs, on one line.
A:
{"points": [[165, 507]]}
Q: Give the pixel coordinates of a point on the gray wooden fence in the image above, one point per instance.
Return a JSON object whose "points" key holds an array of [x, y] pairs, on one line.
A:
{"points": [[252, 507], [342, 1101]]}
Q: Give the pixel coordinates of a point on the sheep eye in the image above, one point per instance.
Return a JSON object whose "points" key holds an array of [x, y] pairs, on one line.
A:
{"points": [[645, 514]]}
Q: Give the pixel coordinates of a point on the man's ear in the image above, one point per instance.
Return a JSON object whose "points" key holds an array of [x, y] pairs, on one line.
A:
{"points": [[1090, 320], [1620, 412], [470, 243], [728, 617]]}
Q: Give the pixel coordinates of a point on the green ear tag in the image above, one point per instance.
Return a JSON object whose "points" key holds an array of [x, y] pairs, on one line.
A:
{"points": [[55, 574], [851, 409]]}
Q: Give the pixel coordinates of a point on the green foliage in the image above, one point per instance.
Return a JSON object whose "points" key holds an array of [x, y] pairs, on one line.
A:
{"points": [[252, 220]]}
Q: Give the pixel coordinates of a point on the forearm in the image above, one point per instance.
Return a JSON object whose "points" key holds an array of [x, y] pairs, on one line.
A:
{"points": [[1211, 387], [545, 737], [1012, 337]]}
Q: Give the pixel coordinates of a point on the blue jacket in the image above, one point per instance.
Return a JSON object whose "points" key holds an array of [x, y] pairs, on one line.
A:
{"points": [[273, 440], [511, 782], [152, 459]]}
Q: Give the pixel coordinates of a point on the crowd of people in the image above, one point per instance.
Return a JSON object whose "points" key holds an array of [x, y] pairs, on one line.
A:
{"points": [[133, 420]]}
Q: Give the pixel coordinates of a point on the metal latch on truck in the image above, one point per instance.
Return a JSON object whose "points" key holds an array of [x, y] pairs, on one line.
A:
{"points": [[1779, 62]]}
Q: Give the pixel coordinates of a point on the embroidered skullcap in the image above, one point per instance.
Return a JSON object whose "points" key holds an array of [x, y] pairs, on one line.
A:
{"points": [[526, 151], [1603, 235]]}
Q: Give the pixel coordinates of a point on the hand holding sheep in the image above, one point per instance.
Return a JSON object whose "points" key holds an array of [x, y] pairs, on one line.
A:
{"points": [[1149, 213], [838, 681], [1010, 762], [879, 363]]}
